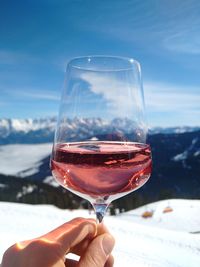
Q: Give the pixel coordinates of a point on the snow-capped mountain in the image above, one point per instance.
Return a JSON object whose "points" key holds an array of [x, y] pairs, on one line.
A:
{"points": [[173, 130], [24, 131], [7, 126], [21, 131], [42, 130], [26, 146]]}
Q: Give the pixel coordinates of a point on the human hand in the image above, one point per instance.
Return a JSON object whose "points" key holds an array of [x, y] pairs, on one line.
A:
{"points": [[80, 236]]}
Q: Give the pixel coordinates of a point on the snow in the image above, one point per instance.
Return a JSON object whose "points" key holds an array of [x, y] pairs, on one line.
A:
{"points": [[187, 211], [190, 150], [173, 130], [51, 181], [164, 240], [181, 156], [76, 126], [17, 158], [197, 153], [26, 125]]}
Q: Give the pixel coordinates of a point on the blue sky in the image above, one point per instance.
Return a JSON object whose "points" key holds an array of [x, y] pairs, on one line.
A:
{"points": [[37, 38]]}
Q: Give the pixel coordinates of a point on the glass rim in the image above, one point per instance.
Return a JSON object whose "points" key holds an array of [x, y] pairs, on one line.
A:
{"points": [[73, 63]]}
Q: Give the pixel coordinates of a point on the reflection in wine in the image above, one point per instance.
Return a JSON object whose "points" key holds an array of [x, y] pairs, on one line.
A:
{"points": [[101, 170]]}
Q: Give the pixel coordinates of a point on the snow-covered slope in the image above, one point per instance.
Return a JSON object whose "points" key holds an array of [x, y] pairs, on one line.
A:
{"points": [[173, 130], [174, 214], [139, 242], [22, 160]]}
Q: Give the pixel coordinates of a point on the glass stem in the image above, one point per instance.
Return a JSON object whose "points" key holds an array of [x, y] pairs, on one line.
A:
{"points": [[100, 210]]}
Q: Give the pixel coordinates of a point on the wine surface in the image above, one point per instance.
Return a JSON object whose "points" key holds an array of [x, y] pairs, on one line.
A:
{"points": [[101, 169]]}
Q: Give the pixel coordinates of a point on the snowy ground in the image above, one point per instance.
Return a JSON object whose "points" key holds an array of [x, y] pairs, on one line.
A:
{"points": [[165, 240], [14, 159]]}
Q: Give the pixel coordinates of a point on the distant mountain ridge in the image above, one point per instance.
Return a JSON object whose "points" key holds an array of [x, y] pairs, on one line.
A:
{"points": [[27, 130], [24, 131], [175, 153]]}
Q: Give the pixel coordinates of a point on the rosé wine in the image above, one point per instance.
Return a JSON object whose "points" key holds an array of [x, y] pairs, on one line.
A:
{"points": [[101, 169]]}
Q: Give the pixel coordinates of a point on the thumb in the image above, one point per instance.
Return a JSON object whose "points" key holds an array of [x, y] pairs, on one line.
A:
{"points": [[98, 251]]}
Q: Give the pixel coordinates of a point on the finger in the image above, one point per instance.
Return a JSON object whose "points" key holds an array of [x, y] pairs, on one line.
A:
{"points": [[98, 251], [102, 229], [72, 233], [109, 262], [71, 263], [80, 248]]}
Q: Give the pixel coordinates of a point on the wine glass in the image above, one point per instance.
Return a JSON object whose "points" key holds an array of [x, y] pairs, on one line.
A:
{"points": [[99, 151]]}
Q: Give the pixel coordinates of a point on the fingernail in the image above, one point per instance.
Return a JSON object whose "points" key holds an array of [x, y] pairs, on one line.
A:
{"points": [[108, 243]]}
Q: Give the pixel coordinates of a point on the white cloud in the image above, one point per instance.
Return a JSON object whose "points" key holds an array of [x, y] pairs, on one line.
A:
{"points": [[46, 95], [31, 93], [170, 25], [169, 97], [8, 57], [172, 105], [184, 42], [180, 103], [162, 97], [119, 95]]}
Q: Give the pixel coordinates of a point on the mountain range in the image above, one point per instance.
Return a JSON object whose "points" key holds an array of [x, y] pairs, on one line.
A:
{"points": [[175, 152], [28, 131]]}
